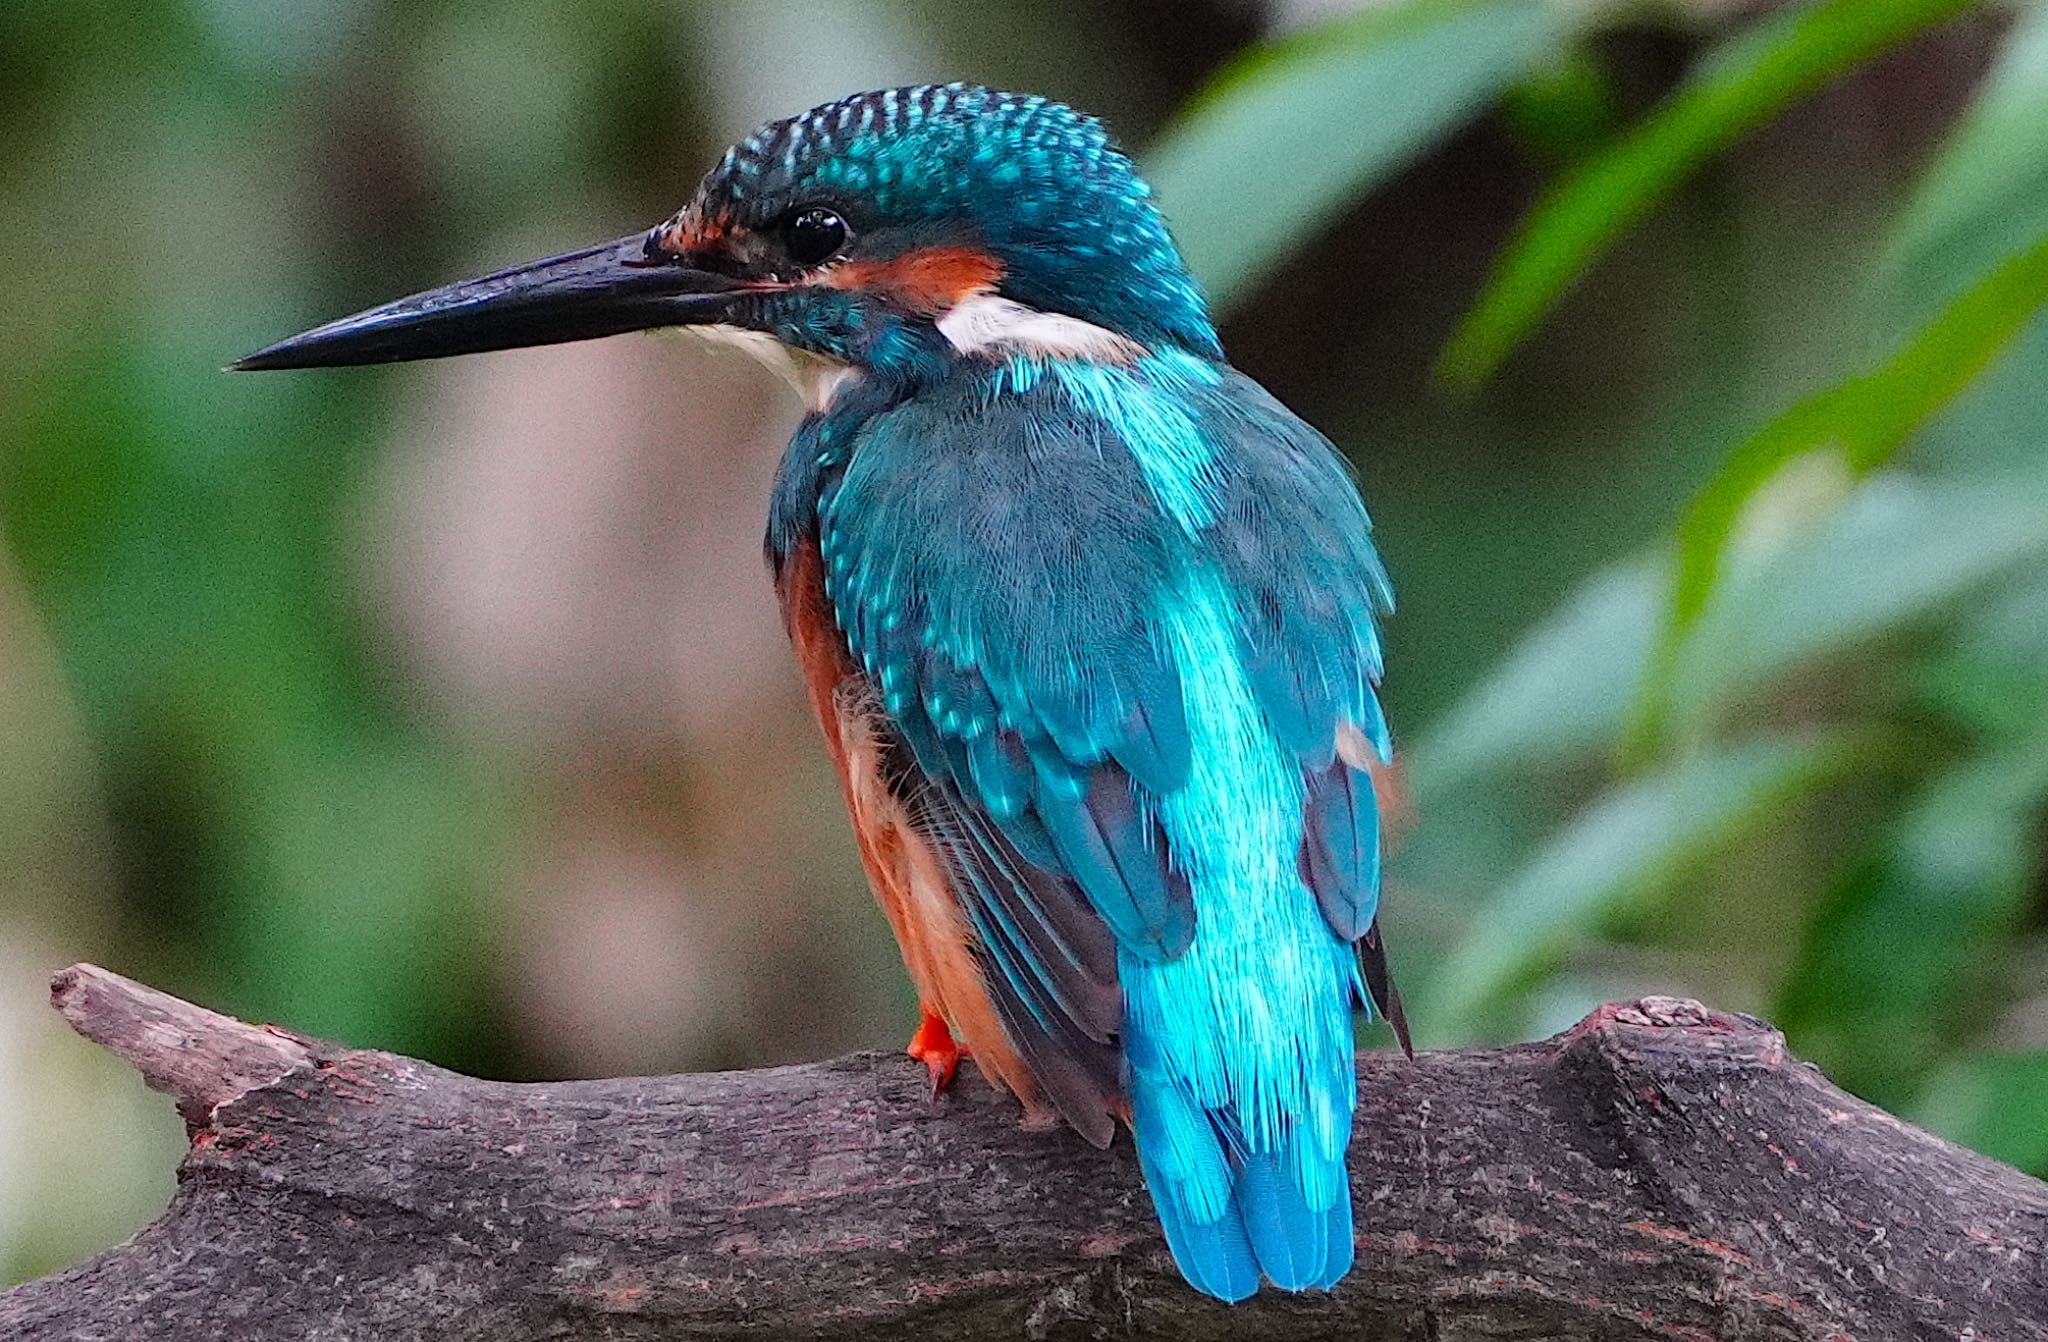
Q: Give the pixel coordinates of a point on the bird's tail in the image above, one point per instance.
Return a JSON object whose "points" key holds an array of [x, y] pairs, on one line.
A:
{"points": [[1239, 1195]]}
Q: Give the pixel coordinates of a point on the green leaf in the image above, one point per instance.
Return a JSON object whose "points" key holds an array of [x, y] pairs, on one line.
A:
{"points": [[1626, 845], [1759, 73], [1993, 1103], [1986, 194], [1865, 420], [1559, 691], [1898, 549], [1901, 549], [1299, 127], [1566, 110], [1902, 957]]}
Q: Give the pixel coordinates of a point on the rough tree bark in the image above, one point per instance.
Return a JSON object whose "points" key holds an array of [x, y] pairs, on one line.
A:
{"points": [[1660, 1171]]}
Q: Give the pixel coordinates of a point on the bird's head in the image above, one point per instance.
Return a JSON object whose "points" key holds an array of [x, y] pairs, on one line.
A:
{"points": [[886, 229]]}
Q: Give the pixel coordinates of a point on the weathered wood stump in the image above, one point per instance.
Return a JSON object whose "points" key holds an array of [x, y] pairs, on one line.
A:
{"points": [[1660, 1171]]}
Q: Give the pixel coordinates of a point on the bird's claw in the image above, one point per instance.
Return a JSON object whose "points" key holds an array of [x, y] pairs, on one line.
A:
{"points": [[934, 1046]]}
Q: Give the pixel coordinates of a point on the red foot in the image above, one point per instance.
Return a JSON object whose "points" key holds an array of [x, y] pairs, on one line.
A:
{"points": [[933, 1046]]}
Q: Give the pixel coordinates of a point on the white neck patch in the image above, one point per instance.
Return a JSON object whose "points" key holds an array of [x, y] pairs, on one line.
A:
{"points": [[984, 323]]}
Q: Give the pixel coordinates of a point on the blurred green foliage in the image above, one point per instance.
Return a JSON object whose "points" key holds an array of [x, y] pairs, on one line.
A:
{"points": [[1396, 78], [1721, 530], [1750, 77]]}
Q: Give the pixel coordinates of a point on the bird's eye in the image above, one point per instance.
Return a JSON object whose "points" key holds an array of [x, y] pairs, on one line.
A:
{"points": [[814, 235]]}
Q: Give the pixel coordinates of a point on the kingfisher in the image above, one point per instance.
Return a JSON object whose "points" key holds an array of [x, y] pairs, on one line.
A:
{"points": [[1090, 620]]}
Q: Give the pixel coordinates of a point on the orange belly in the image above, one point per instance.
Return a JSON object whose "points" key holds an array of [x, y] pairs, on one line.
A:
{"points": [[908, 879]]}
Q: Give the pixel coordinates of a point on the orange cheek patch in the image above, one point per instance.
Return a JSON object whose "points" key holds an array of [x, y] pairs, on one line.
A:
{"points": [[931, 280]]}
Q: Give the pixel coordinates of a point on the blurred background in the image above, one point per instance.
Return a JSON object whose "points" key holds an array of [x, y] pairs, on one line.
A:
{"points": [[1686, 351]]}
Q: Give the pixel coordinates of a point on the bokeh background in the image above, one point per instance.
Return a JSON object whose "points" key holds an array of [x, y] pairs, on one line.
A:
{"points": [[1686, 351]]}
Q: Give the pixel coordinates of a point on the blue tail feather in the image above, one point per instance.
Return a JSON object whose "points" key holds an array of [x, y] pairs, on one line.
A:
{"points": [[1189, 1177], [1216, 1258], [1298, 1246], [1232, 1215]]}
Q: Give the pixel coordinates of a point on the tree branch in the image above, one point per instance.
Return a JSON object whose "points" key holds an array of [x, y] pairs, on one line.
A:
{"points": [[1660, 1171]]}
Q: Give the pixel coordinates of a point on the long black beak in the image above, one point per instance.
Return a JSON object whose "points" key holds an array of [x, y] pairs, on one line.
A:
{"points": [[598, 291]]}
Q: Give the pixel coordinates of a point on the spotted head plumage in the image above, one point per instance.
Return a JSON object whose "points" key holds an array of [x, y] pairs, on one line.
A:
{"points": [[915, 197]]}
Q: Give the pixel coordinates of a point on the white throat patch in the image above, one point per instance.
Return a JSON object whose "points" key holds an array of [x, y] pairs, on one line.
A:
{"points": [[986, 323], [816, 378]]}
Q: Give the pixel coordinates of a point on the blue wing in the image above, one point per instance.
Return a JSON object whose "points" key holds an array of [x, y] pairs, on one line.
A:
{"points": [[994, 574], [1091, 598]]}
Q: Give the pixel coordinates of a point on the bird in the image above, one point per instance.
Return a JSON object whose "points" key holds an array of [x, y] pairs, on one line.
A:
{"points": [[1092, 624]]}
